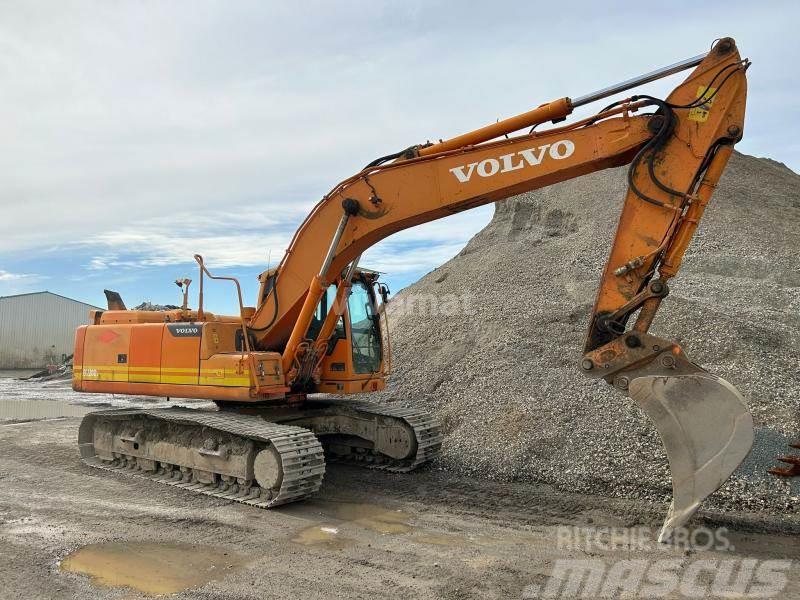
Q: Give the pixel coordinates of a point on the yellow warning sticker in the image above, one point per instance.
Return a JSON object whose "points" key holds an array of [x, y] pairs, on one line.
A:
{"points": [[700, 113]]}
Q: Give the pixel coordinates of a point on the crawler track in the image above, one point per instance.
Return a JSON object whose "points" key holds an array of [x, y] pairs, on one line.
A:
{"points": [[301, 454], [427, 430]]}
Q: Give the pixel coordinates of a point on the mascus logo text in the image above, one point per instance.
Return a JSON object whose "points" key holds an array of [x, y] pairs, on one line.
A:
{"points": [[185, 330], [529, 157]]}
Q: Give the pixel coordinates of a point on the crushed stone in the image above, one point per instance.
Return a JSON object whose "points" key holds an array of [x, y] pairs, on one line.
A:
{"points": [[499, 365]]}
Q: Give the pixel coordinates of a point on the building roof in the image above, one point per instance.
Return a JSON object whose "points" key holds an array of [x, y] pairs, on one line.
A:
{"points": [[52, 294]]}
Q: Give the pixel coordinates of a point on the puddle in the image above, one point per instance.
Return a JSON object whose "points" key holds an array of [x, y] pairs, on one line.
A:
{"points": [[151, 568], [39, 409], [322, 535], [370, 516], [350, 515]]}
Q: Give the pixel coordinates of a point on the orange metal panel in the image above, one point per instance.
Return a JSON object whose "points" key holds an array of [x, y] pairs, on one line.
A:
{"points": [[226, 370], [268, 369], [105, 355], [338, 365], [218, 338], [144, 361], [180, 353]]}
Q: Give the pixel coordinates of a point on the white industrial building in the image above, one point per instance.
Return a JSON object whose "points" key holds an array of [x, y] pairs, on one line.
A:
{"points": [[38, 329]]}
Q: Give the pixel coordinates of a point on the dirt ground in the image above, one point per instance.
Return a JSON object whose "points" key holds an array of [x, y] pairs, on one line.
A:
{"points": [[368, 534]]}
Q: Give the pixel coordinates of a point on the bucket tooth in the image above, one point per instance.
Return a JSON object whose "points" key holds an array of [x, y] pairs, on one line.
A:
{"points": [[793, 470], [706, 430]]}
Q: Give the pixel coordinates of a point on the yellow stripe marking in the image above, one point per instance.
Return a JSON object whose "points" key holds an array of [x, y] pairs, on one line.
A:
{"points": [[177, 375]]}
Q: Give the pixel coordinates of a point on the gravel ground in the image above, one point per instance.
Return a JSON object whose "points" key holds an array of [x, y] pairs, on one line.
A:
{"points": [[366, 535], [503, 340]]}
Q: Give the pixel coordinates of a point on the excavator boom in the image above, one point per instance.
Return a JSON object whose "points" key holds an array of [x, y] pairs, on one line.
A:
{"points": [[316, 328]]}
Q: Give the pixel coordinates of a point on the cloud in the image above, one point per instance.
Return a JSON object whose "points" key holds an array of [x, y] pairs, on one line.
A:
{"points": [[142, 133], [6, 276], [223, 239], [241, 240], [17, 283], [400, 261]]}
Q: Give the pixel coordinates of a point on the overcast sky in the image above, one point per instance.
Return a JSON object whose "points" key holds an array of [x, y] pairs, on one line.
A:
{"points": [[139, 133]]}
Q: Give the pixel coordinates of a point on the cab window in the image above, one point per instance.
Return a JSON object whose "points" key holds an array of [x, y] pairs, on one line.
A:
{"points": [[364, 329], [323, 307]]}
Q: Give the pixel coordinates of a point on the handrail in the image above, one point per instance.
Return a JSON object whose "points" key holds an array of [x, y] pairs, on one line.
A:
{"points": [[201, 314]]}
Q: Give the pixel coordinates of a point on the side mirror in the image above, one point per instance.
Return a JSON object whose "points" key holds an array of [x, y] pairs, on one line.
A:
{"points": [[383, 290]]}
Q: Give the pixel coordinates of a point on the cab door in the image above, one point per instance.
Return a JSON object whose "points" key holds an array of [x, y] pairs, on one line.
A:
{"points": [[365, 332]]}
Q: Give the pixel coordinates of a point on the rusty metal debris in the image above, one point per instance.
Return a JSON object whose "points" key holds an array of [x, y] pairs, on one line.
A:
{"points": [[793, 462]]}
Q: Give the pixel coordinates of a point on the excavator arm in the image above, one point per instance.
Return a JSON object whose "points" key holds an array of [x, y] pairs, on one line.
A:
{"points": [[677, 152]]}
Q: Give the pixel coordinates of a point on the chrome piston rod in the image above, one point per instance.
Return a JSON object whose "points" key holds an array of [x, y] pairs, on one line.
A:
{"points": [[640, 80]]}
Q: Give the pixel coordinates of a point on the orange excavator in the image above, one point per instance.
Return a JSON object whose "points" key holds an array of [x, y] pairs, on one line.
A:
{"points": [[319, 325]]}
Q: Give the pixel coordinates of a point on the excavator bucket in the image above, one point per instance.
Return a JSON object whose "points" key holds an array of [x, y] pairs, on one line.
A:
{"points": [[706, 430]]}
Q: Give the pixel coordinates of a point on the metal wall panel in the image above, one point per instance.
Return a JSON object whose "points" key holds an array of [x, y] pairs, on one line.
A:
{"points": [[37, 329]]}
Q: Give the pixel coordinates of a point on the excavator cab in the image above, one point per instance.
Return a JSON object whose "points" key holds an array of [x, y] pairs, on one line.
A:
{"points": [[365, 330], [354, 355]]}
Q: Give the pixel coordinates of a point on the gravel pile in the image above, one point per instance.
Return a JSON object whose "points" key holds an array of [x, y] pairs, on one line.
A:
{"points": [[490, 341], [147, 305]]}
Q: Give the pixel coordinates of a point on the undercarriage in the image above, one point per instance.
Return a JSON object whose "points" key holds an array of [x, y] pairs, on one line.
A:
{"points": [[261, 456]]}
